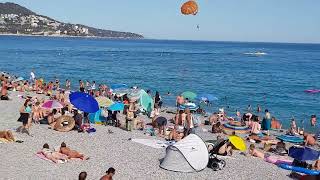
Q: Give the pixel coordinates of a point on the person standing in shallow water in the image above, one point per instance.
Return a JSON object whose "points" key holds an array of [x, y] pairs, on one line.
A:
{"points": [[32, 77]]}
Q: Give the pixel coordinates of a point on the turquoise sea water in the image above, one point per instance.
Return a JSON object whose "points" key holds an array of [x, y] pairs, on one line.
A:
{"points": [[275, 81]]}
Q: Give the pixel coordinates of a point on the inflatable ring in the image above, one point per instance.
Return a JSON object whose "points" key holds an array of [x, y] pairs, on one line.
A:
{"points": [[235, 123], [227, 125], [64, 124], [229, 131]]}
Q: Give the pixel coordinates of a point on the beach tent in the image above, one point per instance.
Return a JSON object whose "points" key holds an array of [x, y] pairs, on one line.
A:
{"points": [[146, 101], [188, 155]]}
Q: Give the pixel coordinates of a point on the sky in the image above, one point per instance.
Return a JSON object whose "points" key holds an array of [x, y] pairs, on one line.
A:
{"points": [[219, 20]]}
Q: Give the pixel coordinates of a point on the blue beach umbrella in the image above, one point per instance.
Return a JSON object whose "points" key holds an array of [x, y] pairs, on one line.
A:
{"points": [[116, 107], [303, 153], [207, 97], [84, 102]]}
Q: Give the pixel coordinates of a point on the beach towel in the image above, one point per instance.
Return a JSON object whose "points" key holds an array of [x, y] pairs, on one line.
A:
{"points": [[3, 140], [276, 160], [157, 144], [41, 156]]}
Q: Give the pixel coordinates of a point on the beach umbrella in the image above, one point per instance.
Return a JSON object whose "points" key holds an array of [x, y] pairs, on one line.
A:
{"points": [[84, 102], [134, 94], [191, 106], [52, 104], [146, 101], [104, 101], [238, 142], [207, 97], [189, 95], [118, 86], [303, 153], [116, 107]]}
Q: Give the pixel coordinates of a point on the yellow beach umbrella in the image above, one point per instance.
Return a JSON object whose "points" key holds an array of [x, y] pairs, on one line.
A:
{"points": [[104, 101], [238, 142]]}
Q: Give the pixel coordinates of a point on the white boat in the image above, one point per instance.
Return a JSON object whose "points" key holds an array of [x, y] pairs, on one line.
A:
{"points": [[258, 53]]}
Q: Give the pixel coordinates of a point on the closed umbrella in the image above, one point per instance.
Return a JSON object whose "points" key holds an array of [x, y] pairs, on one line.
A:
{"points": [[189, 95], [238, 142], [52, 104], [116, 107], [84, 102]]}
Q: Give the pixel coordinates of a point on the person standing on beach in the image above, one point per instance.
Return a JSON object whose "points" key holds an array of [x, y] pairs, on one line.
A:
{"points": [[188, 125], [68, 84], [32, 76], [81, 85], [109, 174], [4, 89], [83, 175]]}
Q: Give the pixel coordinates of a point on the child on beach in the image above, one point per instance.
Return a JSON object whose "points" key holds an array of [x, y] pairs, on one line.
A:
{"points": [[293, 127]]}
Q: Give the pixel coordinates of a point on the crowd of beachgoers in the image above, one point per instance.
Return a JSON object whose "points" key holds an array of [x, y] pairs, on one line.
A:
{"points": [[48, 104]]}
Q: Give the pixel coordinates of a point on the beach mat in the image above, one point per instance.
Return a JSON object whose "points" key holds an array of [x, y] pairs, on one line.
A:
{"points": [[157, 144], [41, 156]]}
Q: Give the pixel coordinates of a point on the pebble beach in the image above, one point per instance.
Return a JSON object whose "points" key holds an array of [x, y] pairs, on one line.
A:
{"points": [[131, 160]]}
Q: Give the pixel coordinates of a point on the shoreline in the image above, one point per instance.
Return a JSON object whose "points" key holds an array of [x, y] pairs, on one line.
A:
{"points": [[67, 36]]}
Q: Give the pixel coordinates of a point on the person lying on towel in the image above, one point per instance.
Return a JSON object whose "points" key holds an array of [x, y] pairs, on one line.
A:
{"points": [[52, 155], [71, 153], [7, 135]]}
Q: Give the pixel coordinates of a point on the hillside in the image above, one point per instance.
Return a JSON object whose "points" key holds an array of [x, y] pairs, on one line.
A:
{"points": [[15, 19]]}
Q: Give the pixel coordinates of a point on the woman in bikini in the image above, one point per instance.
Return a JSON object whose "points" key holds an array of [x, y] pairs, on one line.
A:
{"points": [[52, 155], [37, 113]]}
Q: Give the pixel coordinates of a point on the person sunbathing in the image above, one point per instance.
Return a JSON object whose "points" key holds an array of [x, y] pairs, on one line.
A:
{"points": [[177, 133], [70, 153], [7, 135], [256, 153], [111, 171], [52, 155]]}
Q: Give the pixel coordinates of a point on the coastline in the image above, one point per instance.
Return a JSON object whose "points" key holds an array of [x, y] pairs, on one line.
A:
{"points": [[67, 36]]}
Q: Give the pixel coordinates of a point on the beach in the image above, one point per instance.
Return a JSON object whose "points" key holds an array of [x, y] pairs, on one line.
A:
{"points": [[131, 160]]}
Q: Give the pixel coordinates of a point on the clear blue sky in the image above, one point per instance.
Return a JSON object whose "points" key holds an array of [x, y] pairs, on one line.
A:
{"points": [[221, 20]]}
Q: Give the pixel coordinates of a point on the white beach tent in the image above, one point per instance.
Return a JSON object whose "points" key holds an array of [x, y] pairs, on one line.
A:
{"points": [[188, 155]]}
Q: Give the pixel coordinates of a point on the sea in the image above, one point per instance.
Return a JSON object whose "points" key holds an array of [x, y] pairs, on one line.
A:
{"points": [[275, 79]]}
